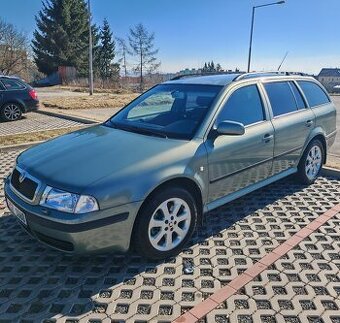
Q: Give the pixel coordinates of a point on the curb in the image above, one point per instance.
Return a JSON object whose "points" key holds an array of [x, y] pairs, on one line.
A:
{"points": [[329, 171], [23, 145], [69, 117]]}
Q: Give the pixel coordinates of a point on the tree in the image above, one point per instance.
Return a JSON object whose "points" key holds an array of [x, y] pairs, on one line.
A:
{"points": [[14, 50], [106, 52], [210, 67], [61, 37], [142, 46], [122, 52]]}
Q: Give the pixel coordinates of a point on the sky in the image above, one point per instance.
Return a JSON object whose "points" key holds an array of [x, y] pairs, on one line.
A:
{"points": [[191, 32]]}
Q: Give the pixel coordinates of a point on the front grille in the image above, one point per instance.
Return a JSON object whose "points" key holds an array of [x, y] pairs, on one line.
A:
{"points": [[27, 187]]}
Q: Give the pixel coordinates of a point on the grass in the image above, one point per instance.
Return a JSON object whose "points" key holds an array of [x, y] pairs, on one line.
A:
{"points": [[34, 136], [98, 100]]}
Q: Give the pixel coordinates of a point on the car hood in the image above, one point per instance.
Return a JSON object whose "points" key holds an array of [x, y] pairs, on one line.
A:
{"points": [[74, 161]]}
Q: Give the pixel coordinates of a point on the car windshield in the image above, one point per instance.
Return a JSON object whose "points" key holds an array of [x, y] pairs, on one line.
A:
{"points": [[167, 110]]}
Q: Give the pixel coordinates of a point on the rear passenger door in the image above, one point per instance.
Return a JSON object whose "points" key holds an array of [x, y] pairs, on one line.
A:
{"points": [[323, 108], [293, 121]]}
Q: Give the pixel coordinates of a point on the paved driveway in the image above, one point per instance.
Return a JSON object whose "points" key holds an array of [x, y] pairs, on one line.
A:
{"points": [[32, 122], [39, 284]]}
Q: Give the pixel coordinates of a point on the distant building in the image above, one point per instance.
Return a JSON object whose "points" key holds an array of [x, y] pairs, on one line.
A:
{"points": [[329, 78], [190, 71]]}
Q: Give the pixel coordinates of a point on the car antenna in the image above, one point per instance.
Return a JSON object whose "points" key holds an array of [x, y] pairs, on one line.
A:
{"points": [[284, 58]]}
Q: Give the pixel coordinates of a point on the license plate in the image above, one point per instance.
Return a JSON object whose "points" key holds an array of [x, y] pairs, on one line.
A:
{"points": [[18, 213]]}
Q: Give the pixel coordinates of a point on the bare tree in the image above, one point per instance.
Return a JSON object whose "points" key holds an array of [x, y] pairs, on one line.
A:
{"points": [[122, 52], [14, 50], [142, 46]]}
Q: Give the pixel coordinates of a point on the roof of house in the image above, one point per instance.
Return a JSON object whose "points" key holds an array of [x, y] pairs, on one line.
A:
{"points": [[330, 72]]}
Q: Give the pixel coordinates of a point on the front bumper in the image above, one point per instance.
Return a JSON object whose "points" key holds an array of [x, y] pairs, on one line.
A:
{"points": [[93, 232]]}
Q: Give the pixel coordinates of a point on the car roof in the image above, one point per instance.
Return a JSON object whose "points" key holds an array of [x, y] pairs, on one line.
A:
{"points": [[11, 77], [227, 78], [217, 79]]}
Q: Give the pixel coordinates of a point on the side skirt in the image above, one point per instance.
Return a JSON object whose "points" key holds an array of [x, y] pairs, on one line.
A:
{"points": [[233, 196]]}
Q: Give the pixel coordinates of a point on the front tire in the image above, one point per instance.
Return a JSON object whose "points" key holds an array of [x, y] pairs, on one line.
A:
{"points": [[165, 223], [10, 112], [311, 162]]}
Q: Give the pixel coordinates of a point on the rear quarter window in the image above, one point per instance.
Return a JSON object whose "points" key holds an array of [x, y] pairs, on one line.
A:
{"points": [[2, 87], [281, 98], [12, 84], [314, 94]]}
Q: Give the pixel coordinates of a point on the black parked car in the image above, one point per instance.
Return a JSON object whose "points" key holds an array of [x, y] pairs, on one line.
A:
{"points": [[16, 98]]}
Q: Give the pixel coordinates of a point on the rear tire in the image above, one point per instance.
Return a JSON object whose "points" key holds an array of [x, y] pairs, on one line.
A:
{"points": [[311, 162], [165, 223], [10, 112]]}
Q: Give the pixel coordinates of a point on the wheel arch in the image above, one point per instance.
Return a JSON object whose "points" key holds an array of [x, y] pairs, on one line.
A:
{"points": [[18, 102], [322, 139], [319, 135], [183, 182]]}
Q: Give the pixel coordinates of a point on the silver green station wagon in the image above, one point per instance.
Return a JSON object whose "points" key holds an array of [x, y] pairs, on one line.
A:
{"points": [[145, 177]]}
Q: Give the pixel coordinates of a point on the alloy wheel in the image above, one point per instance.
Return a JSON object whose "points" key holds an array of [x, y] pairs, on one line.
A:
{"points": [[313, 162], [169, 224], [12, 112]]}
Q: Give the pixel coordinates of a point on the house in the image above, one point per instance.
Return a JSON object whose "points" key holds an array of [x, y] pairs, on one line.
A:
{"points": [[329, 77]]}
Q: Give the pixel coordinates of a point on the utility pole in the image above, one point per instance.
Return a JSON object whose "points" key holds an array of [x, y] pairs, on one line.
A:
{"points": [[90, 50]]}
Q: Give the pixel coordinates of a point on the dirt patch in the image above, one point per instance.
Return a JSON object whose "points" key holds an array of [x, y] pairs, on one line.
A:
{"points": [[34, 136], [89, 102]]}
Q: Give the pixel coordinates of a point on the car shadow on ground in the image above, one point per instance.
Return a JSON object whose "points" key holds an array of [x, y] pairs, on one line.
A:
{"points": [[39, 282]]}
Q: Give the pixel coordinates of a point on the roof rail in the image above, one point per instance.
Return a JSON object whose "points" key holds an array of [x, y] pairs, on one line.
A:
{"points": [[178, 77], [269, 73]]}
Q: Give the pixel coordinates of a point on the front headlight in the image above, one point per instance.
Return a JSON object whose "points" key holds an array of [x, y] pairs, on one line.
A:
{"points": [[68, 202]]}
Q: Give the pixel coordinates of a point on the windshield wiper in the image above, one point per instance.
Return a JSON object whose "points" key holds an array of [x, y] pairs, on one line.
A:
{"points": [[144, 131]]}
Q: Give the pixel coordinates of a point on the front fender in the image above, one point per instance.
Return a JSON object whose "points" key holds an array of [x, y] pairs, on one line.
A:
{"points": [[135, 183]]}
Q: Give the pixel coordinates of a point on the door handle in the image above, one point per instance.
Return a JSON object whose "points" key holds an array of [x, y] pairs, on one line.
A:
{"points": [[309, 123], [267, 137]]}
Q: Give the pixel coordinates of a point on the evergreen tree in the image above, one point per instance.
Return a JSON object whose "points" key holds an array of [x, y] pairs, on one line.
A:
{"points": [[210, 67], [106, 52], [142, 46], [61, 37]]}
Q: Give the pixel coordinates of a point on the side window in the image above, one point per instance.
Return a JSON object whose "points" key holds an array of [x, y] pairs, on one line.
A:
{"points": [[244, 105], [298, 97], [281, 98], [12, 84], [314, 93], [2, 88]]}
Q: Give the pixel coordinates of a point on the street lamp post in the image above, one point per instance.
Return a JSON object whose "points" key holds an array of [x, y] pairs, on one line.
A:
{"points": [[252, 27], [90, 51]]}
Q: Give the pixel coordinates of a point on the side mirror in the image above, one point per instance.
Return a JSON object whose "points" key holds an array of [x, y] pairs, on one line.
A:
{"points": [[231, 128]]}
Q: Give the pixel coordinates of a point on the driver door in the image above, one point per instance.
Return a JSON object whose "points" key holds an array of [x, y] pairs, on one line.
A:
{"points": [[238, 161]]}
